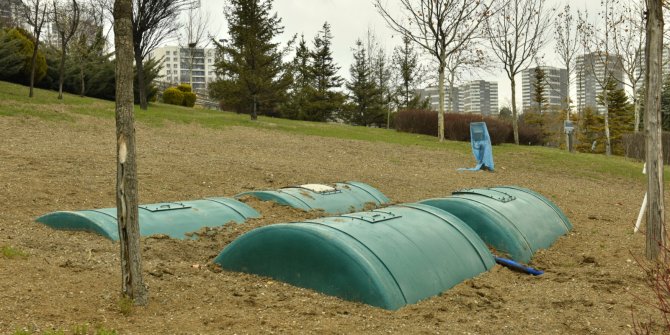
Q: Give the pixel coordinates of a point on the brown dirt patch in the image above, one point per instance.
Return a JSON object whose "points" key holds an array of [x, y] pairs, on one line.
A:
{"points": [[72, 278]]}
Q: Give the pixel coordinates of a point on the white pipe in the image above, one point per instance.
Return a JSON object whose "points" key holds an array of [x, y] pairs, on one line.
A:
{"points": [[643, 209]]}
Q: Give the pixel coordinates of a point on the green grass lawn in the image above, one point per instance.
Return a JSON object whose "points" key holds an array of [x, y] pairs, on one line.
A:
{"points": [[14, 101]]}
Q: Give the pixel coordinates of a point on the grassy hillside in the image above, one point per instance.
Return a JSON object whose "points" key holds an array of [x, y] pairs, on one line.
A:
{"points": [[14, 101]]}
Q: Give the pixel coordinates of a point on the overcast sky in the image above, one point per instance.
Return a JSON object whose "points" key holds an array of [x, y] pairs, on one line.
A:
{"points": [[350, 19]]}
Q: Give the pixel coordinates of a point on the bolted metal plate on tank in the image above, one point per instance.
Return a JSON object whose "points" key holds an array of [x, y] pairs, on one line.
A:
{"points": [[374, 216], [319, 188], [492, 194], [165, 206]]}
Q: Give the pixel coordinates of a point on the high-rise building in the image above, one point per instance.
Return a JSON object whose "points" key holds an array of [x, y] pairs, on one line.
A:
{"points": [[555, 84], [479, 96], [11, 12], [476, 96], [432, 93], [592, 71], [177, 67]]}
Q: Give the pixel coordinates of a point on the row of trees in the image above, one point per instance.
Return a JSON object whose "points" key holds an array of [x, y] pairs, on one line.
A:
{"points": [[255, 79]]}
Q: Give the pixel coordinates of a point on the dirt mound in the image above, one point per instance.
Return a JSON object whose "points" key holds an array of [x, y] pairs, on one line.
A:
{"points": [[591, 285]]}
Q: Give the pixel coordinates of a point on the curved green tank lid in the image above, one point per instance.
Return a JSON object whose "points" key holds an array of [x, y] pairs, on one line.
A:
{"points": [[174, 219], [386, 258], [340, 198], [513, 220]]}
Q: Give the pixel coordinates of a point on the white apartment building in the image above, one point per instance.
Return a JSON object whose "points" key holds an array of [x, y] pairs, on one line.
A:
{"points": [[592, 70], [478, 96], [555, 85], [177, 67]]}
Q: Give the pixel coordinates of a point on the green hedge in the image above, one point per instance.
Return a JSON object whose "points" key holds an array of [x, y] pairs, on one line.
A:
{"points": [[189, 99], [173, 96]]}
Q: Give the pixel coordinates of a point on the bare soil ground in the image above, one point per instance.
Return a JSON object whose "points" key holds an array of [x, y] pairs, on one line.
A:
{"points": [[592, 285]]}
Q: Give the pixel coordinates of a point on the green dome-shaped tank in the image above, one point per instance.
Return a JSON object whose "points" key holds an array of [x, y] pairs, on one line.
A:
{"points": [[386, 258], [174, 219], [515, 221], [338, 198]]}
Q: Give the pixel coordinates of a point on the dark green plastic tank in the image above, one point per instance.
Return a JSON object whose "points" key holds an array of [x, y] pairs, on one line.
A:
{"points": [[386, 258], [170, 218], [513, 220], [340, 198]]}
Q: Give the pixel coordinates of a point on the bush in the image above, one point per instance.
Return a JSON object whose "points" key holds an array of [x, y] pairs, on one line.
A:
{"points": [[20, 43], [173, 96], [186, 88], [634, 146], [189, 99], [457, 126]]}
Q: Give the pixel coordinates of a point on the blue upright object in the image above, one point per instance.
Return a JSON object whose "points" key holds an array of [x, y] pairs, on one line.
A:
{"points": [[481, 146]]}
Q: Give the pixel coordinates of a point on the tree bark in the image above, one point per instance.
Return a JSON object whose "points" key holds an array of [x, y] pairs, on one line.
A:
{"points": [[440, 113], [82, 78], [61, 76], [515, 121], [656, 237], [140, 81], [608, 140], [33, 62], [132, 285]]}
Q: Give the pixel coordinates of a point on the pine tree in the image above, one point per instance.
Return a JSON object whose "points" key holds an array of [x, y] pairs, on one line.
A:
{"points": [[540, 89], [323, 100], [408, 72], [365, 106], [621, 114], [296, 104], [665, 103], [255, 79]]}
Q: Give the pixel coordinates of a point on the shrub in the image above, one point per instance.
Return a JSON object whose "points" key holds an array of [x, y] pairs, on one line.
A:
{"points": [[634, 146], [20, 43], [457, 126], [173, 96], [189, 99], [185, 88]]}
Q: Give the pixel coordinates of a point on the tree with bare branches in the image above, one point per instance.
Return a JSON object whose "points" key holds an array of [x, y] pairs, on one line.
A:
{"points": [[656, 239], [517, 33], [441, 28], [35, 12], [628, 40], [601, 59], [132, 284], [194, 36], [154, 21], [567, 45], [66, 19]]}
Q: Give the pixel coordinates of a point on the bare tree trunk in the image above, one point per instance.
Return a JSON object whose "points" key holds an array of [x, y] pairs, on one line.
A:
{"points": [[140, 82], [82, 79], [636, 103], [254, 115], [440, 113], [61, 76], [608, 140], [132, 285], [656, 238], [33, 62], [515, 119]]}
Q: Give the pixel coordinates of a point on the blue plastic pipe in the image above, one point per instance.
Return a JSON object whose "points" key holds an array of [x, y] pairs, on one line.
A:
{"points": [[518, 266]]}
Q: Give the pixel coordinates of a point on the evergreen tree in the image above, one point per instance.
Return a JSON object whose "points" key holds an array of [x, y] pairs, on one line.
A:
{"points": [[365, 106], [409, 73], [621, 114], [665, 104], [296, 105], [255, 79], [323, 100], [540, 89]]}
